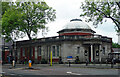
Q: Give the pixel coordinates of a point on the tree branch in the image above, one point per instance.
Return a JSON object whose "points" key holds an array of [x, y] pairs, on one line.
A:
{"points": [[114, 20], [115, 23], [118, 3], [101, 12]]}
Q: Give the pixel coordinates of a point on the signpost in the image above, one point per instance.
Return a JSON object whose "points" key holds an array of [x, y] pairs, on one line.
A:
{"points": [[69, 58]]}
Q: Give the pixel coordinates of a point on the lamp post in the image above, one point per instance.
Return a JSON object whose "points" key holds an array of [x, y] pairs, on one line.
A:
{"points": [[3, 48], [14, 50], [14, 54]]}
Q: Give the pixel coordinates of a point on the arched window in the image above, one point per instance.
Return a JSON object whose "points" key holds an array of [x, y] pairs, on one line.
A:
{"points": [[97, 53], [86, 52], [103, 50], [78, 50]]}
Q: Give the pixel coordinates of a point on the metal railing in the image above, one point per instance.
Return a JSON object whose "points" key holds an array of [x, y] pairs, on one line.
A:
{"points": [[77, 37], [69, 37]]}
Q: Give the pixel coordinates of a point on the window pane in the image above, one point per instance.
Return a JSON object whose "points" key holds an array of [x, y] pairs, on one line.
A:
{"points": [[53, 50], [57, 50], [103, 50], [23, 51], [78, 50], [40, 51], [32, 51]]}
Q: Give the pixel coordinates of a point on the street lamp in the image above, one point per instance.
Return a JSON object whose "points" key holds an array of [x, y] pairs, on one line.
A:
{"points": [[3, 48], [14, 50]]}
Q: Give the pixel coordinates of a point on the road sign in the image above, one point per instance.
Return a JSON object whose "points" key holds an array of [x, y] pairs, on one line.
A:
{"points": [[69, 58]]}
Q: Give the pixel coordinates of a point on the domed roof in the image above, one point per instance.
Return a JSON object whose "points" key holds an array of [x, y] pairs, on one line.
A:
{"points": [[76, 24]]}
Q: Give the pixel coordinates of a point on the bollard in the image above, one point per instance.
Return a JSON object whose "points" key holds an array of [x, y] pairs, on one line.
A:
{"points": [[51, 59], [30, 63], [86, 63], [13, 63], [112, 63], [69, 63]]}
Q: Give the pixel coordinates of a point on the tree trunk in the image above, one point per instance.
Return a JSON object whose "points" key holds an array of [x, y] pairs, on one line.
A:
{"points": [[30, 46]]}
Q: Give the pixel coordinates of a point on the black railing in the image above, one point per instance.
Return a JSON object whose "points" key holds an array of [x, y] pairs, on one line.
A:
{"points": [[69, 37], [77, 37]]}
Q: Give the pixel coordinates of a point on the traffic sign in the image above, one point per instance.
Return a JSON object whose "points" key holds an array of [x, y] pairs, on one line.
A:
{"points": [[69, 58]]}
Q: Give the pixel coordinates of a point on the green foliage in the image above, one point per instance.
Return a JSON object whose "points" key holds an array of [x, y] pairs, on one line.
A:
{"points": [[26, 18], [97, 12], [11, 21], [5, 6], [115, 45]]}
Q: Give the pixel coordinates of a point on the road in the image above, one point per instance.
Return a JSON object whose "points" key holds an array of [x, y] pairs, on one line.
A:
{"points": [[57, 70]]}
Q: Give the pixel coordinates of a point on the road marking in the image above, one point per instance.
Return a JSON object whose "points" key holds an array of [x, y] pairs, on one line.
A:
{"points": [[12, 74], [69, 72], [73, 73], [16, 69]]}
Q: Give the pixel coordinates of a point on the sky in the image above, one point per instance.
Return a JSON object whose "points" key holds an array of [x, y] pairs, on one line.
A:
{"points": [[70, 9]]}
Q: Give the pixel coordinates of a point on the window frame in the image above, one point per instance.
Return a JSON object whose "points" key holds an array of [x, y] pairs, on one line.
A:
{"points": [[23, 52], [39, 50], [78, 50], [58, 50], [54, 54]]}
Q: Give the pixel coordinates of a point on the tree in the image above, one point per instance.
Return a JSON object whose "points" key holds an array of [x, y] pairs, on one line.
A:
{"points": [[115, 45], [26, 18], [11, 21], [5, 6], [97, 12]]}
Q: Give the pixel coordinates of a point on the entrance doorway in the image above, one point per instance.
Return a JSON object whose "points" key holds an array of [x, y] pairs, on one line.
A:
{"points": [[89, 54]]}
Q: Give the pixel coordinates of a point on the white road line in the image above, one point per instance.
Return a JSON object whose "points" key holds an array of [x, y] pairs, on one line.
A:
{"points": [[73, 73], [69, 72], [12, 74]]}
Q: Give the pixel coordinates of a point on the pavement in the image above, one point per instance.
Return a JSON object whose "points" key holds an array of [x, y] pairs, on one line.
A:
{"points": [[97, 66], [61, 69]]}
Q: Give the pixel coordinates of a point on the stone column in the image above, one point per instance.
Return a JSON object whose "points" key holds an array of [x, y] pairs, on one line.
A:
{"points": [[91, 53], [100, 48]]}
